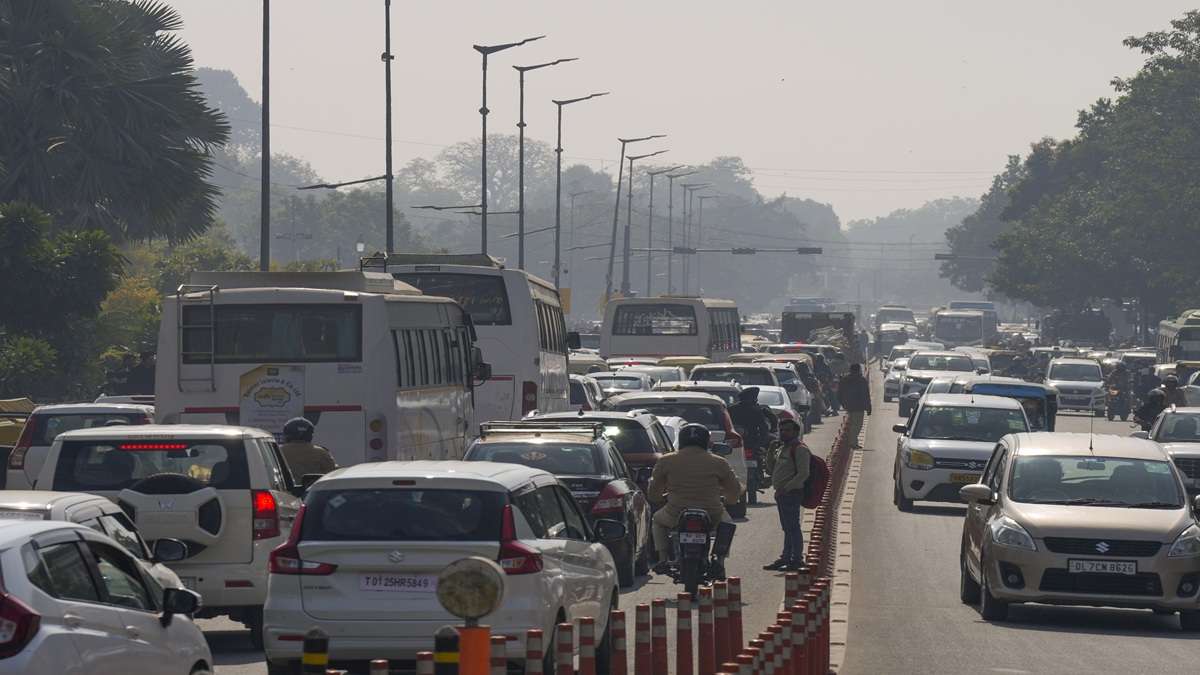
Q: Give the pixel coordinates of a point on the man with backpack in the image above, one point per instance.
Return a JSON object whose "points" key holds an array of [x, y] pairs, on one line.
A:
{"points": [[790, 472]]}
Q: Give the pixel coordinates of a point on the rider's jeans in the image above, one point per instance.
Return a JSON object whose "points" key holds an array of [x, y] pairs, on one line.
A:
{"points": [[790, 505], [663, 524]]}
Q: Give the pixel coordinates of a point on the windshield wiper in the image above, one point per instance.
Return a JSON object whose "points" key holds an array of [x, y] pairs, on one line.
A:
{"points": [[1154, 505], [1082, 501]]}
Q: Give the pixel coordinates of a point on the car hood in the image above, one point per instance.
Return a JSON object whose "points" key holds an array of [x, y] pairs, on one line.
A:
{"points": [[930, 374], [1075, 384], [963, 449], [1103, 522], [1182, 449]]}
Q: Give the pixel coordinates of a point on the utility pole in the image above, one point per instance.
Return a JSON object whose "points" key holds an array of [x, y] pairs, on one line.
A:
{"points": [[571, 248], [557, 188], [387, 94], [689, 190], [612, 246], [671, 228], [650, 229], [626, 287], [264, 239], [521, 70], [700, 235]]}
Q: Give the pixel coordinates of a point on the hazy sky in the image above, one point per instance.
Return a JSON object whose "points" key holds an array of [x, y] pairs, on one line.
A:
{"points": [[870, 106]]}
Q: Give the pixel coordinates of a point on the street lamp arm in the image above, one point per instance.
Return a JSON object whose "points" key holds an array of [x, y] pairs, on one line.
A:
{"points": [[581, 98], [662, 171], [648, 154], [492, 49], [544, 65], [334, 186], [643, 138], [447, 208]]}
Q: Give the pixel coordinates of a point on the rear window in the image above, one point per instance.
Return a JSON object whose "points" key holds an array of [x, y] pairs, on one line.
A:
{"points": [[403, 515], [711, 416], [578, 394], [558, 459], [85, 466], [47, 427], [630, 437], [654, 319], [774, 398], [747, 377], [295, 333], [621, 383], [484, 296]]}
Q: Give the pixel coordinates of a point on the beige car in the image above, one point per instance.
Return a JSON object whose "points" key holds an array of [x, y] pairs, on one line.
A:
{"points": [[1080, 519]]}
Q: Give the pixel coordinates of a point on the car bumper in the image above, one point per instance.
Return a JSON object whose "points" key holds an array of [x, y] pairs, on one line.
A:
{"points": [[1046, 580], [891, 390], [222, 586], [935, 485], [1088, 403]]}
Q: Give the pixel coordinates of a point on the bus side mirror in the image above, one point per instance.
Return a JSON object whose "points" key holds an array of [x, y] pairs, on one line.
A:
{"points": [[573, 341], [483, 370]]}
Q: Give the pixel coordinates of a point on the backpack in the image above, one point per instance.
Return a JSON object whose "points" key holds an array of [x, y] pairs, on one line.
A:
{"points": [[817, 481]]}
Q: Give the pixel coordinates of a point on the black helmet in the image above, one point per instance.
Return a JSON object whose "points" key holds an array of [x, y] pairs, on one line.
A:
{"points": [[1156, 393], [693, 435], [298, 430], [1170, 382], [749, 395]]}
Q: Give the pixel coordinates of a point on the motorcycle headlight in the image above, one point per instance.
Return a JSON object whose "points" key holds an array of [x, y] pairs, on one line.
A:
{"points": [[1187, 545], [1006, 532], [918, 459]]}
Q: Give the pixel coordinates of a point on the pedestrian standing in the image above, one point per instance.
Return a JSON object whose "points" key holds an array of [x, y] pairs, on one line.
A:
{"points": [[855, 395], [788, 478]]}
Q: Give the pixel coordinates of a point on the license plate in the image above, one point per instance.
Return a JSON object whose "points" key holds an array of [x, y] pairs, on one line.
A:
{"points": [[693, 538], [1128, 567], [188, 582], [398, 583], [22, 515], [751, 463], [964, 478]]}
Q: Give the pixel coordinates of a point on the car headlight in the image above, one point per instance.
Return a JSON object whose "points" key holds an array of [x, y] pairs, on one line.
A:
{"points": [[918, 459], [1187, 545], [1006, 532]]}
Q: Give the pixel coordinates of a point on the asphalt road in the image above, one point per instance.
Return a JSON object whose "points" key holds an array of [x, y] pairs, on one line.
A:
{"points": [[905, 615], [757, 542]]}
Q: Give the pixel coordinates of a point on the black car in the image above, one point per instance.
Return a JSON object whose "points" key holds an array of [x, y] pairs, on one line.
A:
{"points": [[584, 459]]}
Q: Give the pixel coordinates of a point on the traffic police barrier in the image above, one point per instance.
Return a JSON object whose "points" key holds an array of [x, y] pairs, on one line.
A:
{"points": [[534, 654], [424, 664], [587, 646], [735, 615], [721, 621], [445, 651], [642, 649], [315, 657], [683, 634], [499, 658], [660, 658], [618, 664], [564, 659], [706, 660], [380, 666]]}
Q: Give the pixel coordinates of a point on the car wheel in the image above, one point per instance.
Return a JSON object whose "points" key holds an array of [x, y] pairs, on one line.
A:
{"points": [[253, 620], [968, 588], [642, 566], [903, 503], [1189, 620], [626, 565], [990, 608]]}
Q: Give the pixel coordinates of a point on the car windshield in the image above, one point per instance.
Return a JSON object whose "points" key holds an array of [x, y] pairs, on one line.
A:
{"points": [[578, 393], [958, 364], [660, 374], [747, 377], [88, 466], [620, 383], [47, 427], [773, 398], [711, 416], [1076, 372], [963, 423], [403, 515], [901, 352], [629, 436], [560, 459], [1095, 481], [1179, 428]]}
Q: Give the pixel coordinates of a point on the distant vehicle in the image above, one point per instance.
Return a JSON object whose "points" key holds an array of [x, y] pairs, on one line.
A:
{"points": [[896, 314], [726, 390], [1039, 400], [670, 326], [799, 326], [583, 396], [338, 567], [922, 367], [659, 373], [620, 381], [893, 379], [75, 602], [1179, 338], [745, 374], [959, 328], [1080, 385], [381, 370], [1080, 519], [991, 320], [890, 335], [1177, 430], [810, 304], [583, 363], [48, 421], [518, 319]]}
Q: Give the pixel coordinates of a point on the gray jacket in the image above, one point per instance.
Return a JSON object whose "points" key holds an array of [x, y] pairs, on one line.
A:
{"points": [[791, 467]]}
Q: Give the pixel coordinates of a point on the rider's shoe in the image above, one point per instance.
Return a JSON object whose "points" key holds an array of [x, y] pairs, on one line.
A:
{"points": [[777, 565]]}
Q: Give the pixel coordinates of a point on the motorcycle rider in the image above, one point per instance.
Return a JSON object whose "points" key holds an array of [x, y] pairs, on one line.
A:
{"points": [[788, 477], [302, 456], [1183, 372], [1119, 377], [1156, 402], [691, 477], [1018, 368], [754, 420], [1173, 392]]}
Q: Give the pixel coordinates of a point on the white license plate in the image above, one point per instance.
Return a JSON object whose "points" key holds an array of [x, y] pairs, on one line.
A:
{"points": [[752, 463], [188, 582], [398, 583], [693, 538], [22, 515], [1128, 567]]}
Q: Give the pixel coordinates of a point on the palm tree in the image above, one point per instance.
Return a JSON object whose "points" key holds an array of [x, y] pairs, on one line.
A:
{"points": [[101, 122]]}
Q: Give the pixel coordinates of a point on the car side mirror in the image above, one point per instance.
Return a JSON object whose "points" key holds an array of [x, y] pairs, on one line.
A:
{"points": [[608, 531], [1196, 503], [573, 340], [642, 476], [900, 428], [722, 449], [178, 601], [977, 492], [1144, 435], [169, 550], [791, 387]]}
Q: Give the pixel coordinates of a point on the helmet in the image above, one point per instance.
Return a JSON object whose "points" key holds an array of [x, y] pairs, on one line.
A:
{"points": [[1170, 381], [1156, 394], [693, 435], [749, 395], [298, 430]]}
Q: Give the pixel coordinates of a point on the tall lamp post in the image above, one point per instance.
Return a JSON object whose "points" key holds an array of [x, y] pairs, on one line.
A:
{"points": [[387, 92], [485, 51], [688, 190], [650, 228], [671, 227], [700, 232], [571, 248], [264, 243], [612, 245], [626, 288], [558, 150]]}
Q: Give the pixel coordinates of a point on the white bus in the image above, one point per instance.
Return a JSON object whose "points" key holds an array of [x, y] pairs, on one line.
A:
{"points": [[991, 319], [519, 323], [383, 371], [959, 328], [670, 326]]}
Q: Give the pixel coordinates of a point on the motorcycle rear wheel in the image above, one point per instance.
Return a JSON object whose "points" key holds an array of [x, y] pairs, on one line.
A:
{"points": [[691, 572]]}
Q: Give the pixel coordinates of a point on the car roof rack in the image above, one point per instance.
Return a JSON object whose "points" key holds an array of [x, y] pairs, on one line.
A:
{"points": [[595, 429]]}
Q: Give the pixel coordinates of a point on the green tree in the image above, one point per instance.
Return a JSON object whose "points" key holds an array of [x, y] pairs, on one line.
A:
{"points": [[101, 123], [973, 238]]}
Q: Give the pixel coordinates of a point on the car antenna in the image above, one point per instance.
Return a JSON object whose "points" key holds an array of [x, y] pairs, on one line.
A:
{"points": [[1091, 433]]}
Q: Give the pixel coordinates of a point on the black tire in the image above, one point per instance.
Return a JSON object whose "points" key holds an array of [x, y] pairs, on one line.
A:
{"points": [[627, 565], [968, 588], [990, 608], [902, 503], [287, 668], [253, 620], [692, 575], [1189, 621]]}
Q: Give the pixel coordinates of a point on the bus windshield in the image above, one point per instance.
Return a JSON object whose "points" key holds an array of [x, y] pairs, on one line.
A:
{"points": [[892, 315], [1187, 347], [290, 333], [655, 319], [484, 296], [958, 328]]}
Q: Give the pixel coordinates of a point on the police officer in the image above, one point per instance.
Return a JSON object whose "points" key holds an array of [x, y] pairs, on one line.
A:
{"points": [[303, 457]]}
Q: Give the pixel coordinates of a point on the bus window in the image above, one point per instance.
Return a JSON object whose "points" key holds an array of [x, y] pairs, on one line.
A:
{"points": [[484, 296], [656, 319], [292, 333]]}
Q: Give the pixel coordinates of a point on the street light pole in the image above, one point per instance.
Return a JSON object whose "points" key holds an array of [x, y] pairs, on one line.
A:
{"points": [[671, 228], [571, 248], [485, 51], [264, 243], [558, 149], [700, 233], [689, 190], [612, 245], [387, 89], [626, 288], [650, 229], [521, 70]]}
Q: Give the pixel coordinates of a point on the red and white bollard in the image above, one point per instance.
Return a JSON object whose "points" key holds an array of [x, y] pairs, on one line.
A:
{"points": [[534, 654], [721, 621], [424, 663], [683, 634], [499, 657], [641, 651], [659, 656], [706, 649], [814, 631], [736, 636], [755, 649], [587, 646], [784, 621], [767, 654], [380, 666], [618, 663], [745, 662], [564, 659], [799, 614]]}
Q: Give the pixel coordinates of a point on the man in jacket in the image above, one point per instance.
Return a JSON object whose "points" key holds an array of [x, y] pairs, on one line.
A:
{"points": [[691, 477], [856, 399], [752, 419], [302, 455], [790, 473], [1172, 391]]}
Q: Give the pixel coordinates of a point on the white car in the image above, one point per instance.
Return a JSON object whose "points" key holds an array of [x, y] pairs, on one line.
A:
{"points": [[74, 602], [892, 380], [363, 558], [797, 393], [776, 398], [224, 491], [48, 421], [1080, 385], [94, 511], [1177, 430], [947, 443], [736, 460]]}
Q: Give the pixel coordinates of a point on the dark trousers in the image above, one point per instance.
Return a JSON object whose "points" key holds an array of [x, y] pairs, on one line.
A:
{"points": [[789, 505]]}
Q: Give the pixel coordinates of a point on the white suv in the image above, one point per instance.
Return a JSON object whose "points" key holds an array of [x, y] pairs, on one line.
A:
{"points": [[48, 421], [224, 491], [364, 555], [74, 602]]}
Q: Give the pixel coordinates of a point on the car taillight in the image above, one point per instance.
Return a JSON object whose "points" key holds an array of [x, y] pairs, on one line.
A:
{"points": [[16, 459], [529, 393], [285, 559], [266, 514], [610, 501], [786, 415], [515, 557], [18, 624]]}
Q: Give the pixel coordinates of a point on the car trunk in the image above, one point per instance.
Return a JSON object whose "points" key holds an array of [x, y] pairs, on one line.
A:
{"points": [[585, 489]]}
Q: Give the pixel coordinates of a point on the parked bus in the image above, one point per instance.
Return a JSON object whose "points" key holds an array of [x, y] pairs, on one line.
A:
{"points": [[383, 371], [991, 319], [959, 328], [1179, 338], [670, 326], [519, 322]]}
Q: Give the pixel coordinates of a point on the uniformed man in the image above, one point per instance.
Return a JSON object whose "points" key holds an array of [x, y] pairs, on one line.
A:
{"points": [[303, 457]]}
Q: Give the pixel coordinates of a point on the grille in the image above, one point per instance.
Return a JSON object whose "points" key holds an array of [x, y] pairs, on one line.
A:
{"points": [[946, 492], [1061, 581], [1190, 466], [964, 464], [1119, 548]]}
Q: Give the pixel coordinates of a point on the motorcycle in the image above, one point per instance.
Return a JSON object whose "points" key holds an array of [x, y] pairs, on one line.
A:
{"points": [[1117, 404], [699, 549], [756, 475]]}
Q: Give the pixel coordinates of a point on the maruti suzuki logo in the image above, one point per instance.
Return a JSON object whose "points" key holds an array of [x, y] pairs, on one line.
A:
{"points": [[1103, 547], [396, 557]]}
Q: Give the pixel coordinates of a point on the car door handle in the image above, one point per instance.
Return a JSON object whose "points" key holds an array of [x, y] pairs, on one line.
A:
{"points": [[133, 632], [72, 620]]}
